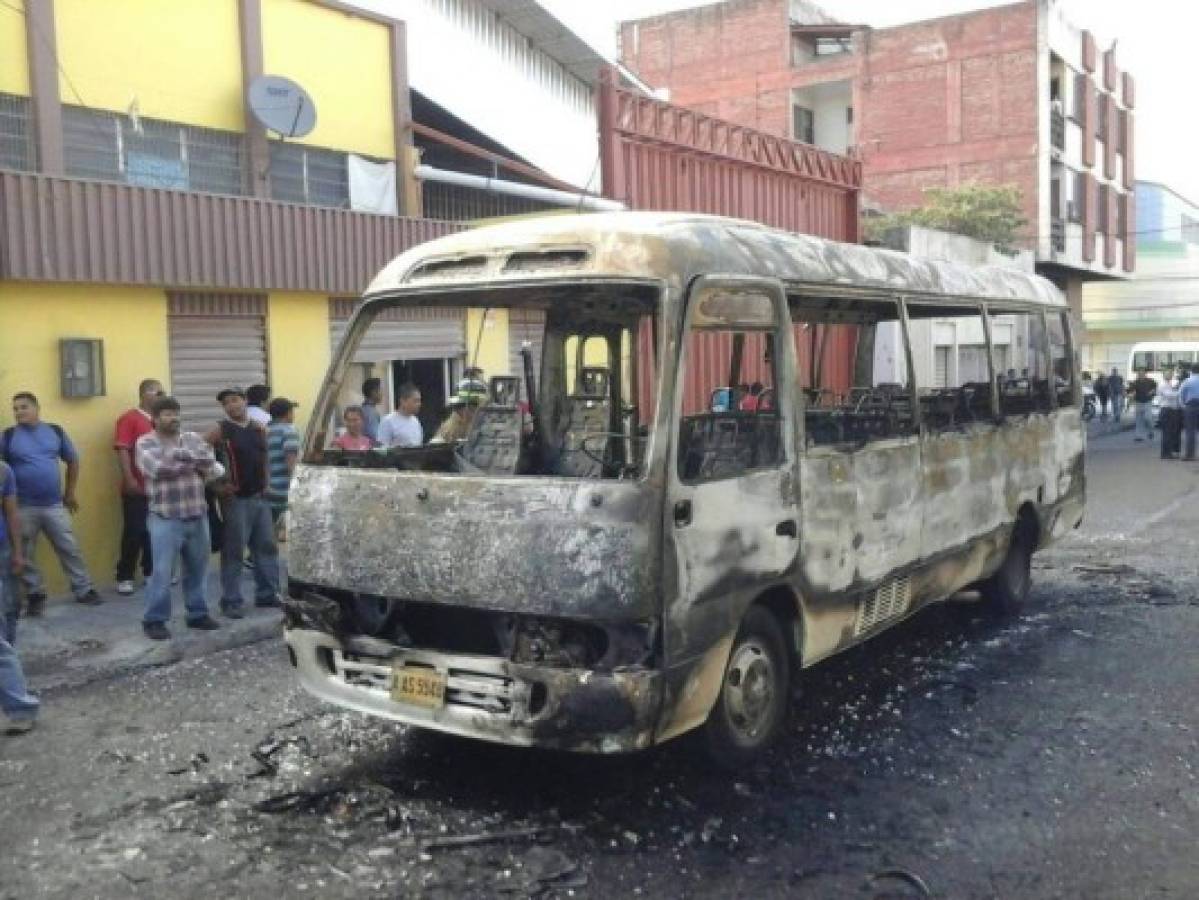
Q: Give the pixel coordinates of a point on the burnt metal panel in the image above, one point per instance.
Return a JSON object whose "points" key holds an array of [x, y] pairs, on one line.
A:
{"points": [[63, 229]]}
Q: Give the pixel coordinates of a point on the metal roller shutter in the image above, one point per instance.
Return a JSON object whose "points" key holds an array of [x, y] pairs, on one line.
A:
{"points": [[524, 325], [215, 341], [941, 360], [398, 333]]}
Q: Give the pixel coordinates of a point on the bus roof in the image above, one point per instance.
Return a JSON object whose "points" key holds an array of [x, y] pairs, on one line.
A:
{"points": [[678, 246]]}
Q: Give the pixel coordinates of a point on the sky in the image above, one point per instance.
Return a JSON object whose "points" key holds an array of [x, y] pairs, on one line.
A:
{"points": [[1155, 43]]}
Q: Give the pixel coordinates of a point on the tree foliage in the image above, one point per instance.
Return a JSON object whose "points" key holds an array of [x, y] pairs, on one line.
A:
{"points": [[984, 212]]}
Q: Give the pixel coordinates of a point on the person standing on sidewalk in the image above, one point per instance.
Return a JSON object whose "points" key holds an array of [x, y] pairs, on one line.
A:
{"points": [[247, 515], [12, 558], [175, 466], [135, 538], [1170, 417], [283, 452], [33, 448], [1143, 388], [1115, 387], [1101, 395], [1188, 395]]}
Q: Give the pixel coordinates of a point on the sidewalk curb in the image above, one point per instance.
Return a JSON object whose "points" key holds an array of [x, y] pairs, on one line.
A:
{"points": [[135, 652]]}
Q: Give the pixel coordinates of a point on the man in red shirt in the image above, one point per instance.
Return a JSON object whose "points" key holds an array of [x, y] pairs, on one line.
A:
{"points": [[135, 539]]}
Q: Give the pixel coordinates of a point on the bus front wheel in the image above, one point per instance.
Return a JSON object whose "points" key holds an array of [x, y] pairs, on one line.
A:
{"points": [[751, 709]]}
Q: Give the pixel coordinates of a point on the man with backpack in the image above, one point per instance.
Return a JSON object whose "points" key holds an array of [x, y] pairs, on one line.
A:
{"points": [[33, 449]]}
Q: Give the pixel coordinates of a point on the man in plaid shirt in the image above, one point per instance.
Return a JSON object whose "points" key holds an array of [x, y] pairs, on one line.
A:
{"points": [[175, 466]]}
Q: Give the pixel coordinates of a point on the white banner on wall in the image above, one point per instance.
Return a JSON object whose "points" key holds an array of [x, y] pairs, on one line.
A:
{"points": [[372, 186]]}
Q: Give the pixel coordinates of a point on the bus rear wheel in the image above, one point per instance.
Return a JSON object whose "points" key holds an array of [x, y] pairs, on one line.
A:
{"points": [[751, 709], [1005, 592]]}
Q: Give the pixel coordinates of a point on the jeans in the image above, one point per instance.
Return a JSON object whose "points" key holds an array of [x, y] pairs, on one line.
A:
{"points": [[1117, 405], [55, 521], [15, 699], [1190, 418], [170, 538], [135, 538], [1171, 427], [1144, 419], [248, 524], [10, 599]]}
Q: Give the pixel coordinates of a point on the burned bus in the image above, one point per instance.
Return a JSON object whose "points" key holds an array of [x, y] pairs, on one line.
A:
{"points": [[735, 452]]}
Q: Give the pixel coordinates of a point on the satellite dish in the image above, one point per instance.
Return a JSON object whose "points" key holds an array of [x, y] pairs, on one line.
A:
{"points": [[282, 106]]}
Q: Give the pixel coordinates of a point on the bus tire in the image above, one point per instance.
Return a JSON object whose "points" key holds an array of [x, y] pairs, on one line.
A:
{"points": [[1005, 591], [751, 708]]}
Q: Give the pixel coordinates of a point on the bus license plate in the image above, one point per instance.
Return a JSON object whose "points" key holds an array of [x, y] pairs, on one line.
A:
{"points": [[418, 687]]}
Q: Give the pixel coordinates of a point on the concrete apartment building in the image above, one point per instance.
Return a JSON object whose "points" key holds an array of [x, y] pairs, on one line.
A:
{"points": [[1161, 302], [1010, 95]]}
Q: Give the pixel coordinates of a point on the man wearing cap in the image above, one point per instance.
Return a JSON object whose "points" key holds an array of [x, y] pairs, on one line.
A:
{"points": [[457, 424], [282, 451], [241, 444]]}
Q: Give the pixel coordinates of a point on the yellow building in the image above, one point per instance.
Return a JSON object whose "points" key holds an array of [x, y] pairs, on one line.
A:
{"points": [[146, 210]]}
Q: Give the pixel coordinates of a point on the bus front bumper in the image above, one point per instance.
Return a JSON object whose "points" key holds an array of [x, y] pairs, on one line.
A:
{"points": [[484, 697]]}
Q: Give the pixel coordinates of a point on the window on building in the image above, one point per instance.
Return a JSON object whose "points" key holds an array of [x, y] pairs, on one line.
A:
{"points": [[310, 175], [804, 124], [1190, 229], [1104, 195], [109, 146], [832, 46], [16, 133], [1055, 198]]}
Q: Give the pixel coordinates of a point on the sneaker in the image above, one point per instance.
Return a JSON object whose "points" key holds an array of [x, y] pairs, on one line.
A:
{"points": [[269, 603], [91, 598], [19, 726], [124, 588], [232, 612], [35, 605], [208, 623], [156, 631]]}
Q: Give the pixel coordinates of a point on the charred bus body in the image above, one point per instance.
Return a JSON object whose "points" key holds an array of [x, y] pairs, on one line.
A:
{"points": [[650, 545]]}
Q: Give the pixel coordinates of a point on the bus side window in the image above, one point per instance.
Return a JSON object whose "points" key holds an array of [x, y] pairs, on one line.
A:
{"points": [[949, 346], [1025, 386], [1059, 357]]}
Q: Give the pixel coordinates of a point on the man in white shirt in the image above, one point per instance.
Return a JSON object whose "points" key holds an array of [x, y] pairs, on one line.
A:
{"points": [[257, 396], [402, 428], [1169, 417]]}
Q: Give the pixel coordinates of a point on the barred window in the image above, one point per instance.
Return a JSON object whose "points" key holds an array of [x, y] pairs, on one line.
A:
{"points": [[310, 175], [110, 146], [16, 133]]}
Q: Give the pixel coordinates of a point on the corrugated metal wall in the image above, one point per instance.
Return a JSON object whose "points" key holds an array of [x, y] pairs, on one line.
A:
{"points": [[59, 229], [658, 156]]}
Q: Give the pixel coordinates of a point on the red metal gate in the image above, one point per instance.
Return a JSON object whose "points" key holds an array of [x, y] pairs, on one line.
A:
{"points": [[657, 156]]}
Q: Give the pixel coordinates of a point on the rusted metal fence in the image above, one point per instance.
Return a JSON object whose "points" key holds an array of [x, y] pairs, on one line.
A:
{"points": [[657, 156]]}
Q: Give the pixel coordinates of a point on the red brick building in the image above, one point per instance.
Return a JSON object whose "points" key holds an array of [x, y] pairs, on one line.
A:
{"points": [[1009, 95]]}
